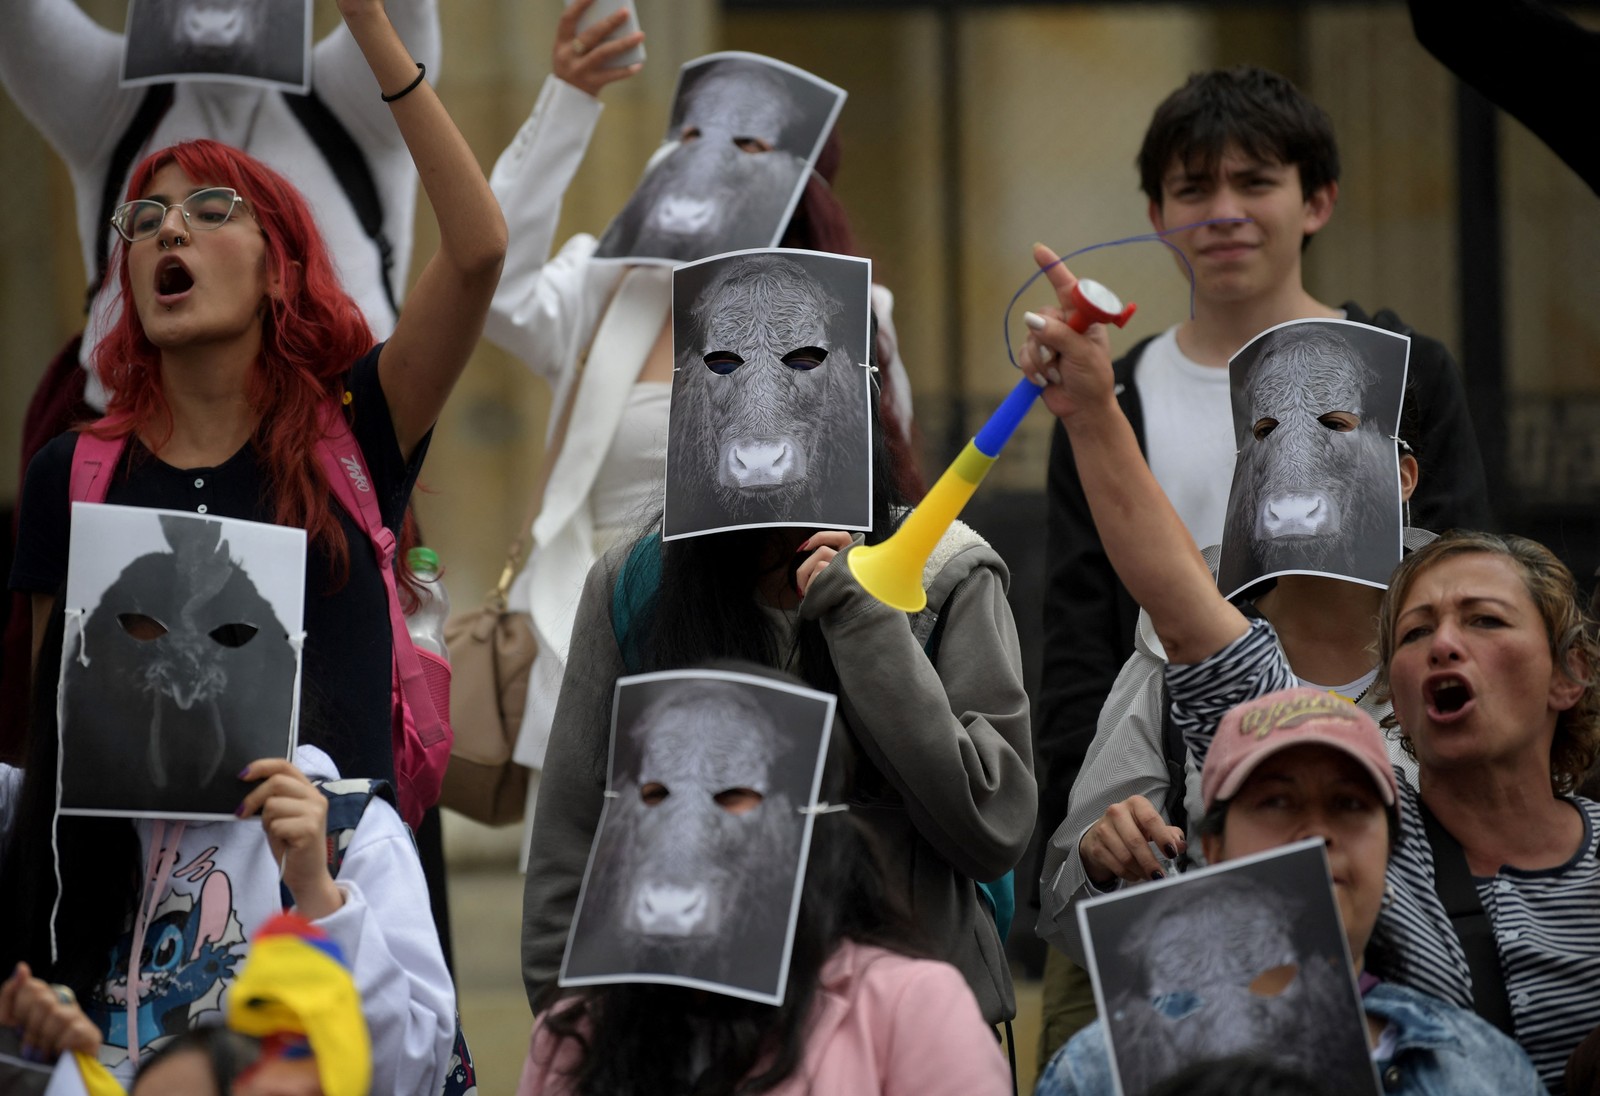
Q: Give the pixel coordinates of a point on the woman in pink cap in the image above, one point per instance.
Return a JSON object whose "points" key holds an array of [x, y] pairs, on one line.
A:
{"points": [[1304, 763], [1491, 664]]}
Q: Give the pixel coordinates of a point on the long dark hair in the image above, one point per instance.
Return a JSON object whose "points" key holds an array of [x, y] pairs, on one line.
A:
{"points": [[99, 859], [648, 1038]]}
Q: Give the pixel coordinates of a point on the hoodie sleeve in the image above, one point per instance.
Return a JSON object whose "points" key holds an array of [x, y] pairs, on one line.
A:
{"points": [[387, 933], [572, 785], [953, 740], [544, 308]]}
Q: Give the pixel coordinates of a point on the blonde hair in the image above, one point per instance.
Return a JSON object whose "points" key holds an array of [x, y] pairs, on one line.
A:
{"points": [[1571, 633]]}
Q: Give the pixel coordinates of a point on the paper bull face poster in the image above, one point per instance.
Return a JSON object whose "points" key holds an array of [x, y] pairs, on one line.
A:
{"points": [[696, 870], [744, 133], [260, 42], [1245, 958], [770, 394], [1316, 485], [181, 659]]}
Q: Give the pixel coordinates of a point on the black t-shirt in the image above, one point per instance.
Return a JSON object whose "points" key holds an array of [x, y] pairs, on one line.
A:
{"points": [[346, 668]]}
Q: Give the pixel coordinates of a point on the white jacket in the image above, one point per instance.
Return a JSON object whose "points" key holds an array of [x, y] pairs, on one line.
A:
{"points": [[224, 884], [62, 68], [546, 311]]}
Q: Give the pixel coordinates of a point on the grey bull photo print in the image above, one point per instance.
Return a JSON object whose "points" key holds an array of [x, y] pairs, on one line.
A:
{"points": [[1316, 484], [695, 874], [770, 394], [744, 133]]}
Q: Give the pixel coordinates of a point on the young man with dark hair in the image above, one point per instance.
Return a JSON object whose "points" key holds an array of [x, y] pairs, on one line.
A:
{"points": [[1245, 148]]}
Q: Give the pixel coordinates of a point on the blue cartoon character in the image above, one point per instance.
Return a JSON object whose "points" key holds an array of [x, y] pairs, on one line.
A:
{"points": [[187, 958]]}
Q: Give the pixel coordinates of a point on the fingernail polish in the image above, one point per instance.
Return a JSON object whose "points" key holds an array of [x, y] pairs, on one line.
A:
{"points": [[1046, 355], [238, 812], [244, 773], [1158, 875], [1172, 851], [1054, 375], [1034, 321]]}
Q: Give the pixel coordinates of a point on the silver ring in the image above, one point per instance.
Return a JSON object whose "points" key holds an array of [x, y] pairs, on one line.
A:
{"points": [[578, 47], [63, 993]]}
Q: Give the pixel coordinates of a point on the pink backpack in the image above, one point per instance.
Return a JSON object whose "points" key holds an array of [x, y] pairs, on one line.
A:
{"points": [[419, 689]]}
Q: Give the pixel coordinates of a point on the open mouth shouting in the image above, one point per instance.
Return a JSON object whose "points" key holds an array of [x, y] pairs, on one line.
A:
{"points": [[1449, 696], [173, 280]]}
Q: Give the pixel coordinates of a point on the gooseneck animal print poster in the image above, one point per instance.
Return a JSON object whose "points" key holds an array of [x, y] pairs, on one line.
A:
{"points": [[744, 133], [1244, 958], [770, 393], [1316, 485], [260, 42], [181, 659], [695, 874]]}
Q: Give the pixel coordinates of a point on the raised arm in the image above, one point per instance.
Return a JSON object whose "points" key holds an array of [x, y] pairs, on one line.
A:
{"points": [[61, 68], [544, 311], [342, 79], [1142, 534], [444, 314], [953, 740]]}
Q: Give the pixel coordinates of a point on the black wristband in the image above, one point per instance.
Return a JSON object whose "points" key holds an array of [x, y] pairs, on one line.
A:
{"points": [[422, 71]]}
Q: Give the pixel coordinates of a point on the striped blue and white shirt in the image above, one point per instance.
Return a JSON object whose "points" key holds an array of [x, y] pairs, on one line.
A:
{"points": [[1546, 923]]}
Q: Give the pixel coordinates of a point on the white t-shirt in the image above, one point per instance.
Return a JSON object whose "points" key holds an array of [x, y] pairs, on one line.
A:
{"points": [[1188, 433]]}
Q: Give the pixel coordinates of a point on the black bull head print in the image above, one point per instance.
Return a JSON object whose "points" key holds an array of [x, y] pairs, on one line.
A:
{"points": [[770, 420], [696, 863], [1315, 478], [727, 181], [182, 657]]}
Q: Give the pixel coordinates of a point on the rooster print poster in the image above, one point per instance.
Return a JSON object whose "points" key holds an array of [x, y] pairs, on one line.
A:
{"points": [[181, 660]]}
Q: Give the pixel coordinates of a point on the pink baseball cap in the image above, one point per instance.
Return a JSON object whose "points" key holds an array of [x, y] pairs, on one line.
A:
{"points": [[1259, 728]]}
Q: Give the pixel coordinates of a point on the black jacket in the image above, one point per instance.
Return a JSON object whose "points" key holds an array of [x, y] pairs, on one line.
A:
{"points": [[1089, 617]]}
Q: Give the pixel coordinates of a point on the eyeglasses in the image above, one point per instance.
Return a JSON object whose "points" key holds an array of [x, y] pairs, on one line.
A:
{"points": [[203, 211]]}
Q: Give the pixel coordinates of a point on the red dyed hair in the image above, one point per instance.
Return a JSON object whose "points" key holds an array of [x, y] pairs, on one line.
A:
{"points": [[310, 334], [820, 223]]}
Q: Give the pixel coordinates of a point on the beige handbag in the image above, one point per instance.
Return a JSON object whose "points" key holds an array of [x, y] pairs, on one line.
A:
{"points": [[491, 654]]}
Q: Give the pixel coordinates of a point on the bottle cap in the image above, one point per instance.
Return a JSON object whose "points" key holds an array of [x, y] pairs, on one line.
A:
{"points": [[423, 559]]}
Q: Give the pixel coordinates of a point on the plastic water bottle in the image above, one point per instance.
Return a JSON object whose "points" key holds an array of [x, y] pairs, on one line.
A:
{"points": [[426, 624]]}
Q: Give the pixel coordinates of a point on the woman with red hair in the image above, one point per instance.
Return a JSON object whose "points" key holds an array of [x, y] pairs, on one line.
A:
{"points": [[235, 338]]}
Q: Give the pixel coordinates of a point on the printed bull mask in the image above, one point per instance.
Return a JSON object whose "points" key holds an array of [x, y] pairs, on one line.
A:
{"points": [[695, 874], [744, 134], [770, 394], [254, 42], [1245, 958], [1316, 485], [181, 659]]}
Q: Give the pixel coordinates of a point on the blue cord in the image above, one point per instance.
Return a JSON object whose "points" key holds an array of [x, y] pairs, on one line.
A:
{"points": [[1157, 237]]}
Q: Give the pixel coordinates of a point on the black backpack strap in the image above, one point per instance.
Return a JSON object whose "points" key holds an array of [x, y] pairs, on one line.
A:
{"points": [[350, 167], [151, 109], [1175, 755], [347, 802], [1453, 880], [930, 646]]}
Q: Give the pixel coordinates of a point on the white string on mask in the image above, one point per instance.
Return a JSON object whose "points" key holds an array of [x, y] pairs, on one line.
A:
{"points": [[823, 807]]}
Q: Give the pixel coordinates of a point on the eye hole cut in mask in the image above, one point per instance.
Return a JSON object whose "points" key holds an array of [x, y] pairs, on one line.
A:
{"points": [[754, 146]]}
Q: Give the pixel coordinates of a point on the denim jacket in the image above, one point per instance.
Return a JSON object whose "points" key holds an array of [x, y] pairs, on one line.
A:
{"points": [[1439, 1050]]}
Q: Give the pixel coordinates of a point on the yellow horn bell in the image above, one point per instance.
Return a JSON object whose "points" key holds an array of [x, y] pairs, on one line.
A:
{"points": [[892, 571]]}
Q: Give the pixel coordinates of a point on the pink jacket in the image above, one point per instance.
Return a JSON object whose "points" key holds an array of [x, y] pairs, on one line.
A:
{"points": [[885, 1024]]}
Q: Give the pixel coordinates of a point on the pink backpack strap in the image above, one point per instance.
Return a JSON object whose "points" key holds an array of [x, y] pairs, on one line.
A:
{"points": [[419, 767], [93, 461]]}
